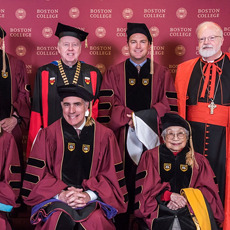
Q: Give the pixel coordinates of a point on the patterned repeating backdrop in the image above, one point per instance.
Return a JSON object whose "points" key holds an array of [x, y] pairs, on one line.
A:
{"points": [[31, 24]]}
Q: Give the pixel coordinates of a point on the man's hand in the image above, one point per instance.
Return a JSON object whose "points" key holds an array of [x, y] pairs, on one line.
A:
{"points": [[8, 124], [177, 201], [130, 123], [74, 197]]}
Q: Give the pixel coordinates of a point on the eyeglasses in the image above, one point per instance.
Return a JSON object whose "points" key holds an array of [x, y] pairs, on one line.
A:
{"points": [[171, 136], [210, 38]]}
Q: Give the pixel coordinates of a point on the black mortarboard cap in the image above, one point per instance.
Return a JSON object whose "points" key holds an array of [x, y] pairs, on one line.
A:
{"points": [[133, 28], [2, 32], [65, 30], [172, 119], [74, 91]]}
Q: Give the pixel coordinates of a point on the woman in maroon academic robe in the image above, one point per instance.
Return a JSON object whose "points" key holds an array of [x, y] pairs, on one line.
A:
{"points": [[168, 168]]}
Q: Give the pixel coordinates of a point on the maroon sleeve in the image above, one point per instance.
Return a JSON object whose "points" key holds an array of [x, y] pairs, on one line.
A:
{"points": [[164, 95], [148, 186], [205, 182], [20, 90], [10, 170], [40, 182], [112, 109], [108, 181]]}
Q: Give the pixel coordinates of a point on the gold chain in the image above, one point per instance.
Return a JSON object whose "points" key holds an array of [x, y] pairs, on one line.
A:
{"points": [[63, 75]]}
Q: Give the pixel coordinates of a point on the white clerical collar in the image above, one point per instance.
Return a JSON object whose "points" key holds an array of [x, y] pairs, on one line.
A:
{"points": [[135, 64], [82, 125]]}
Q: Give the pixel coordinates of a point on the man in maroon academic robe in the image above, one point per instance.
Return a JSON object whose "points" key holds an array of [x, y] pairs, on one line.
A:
{"points": [[202, 86], [14, 95], [127, 91], [75, 170], [10, 174], [46, 107]]}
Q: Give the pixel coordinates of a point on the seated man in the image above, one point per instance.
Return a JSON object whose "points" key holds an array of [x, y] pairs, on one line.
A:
{"points": [[170, 168], [75, 176], [10, 174]]}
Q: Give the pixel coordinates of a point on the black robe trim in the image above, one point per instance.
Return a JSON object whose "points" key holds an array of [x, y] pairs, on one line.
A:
{"points": [[15, 184], [141, 175], [31, 178], [138, 86], [78, 154], [173, 169], [5, 90], [36, 163], [15, 169]]}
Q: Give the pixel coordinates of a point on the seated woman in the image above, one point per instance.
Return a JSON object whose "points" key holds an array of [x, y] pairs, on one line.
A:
{"points": [[167, 169]]}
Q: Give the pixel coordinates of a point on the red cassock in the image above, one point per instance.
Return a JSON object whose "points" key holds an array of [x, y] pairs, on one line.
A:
{"points": [[151, 180], [10, 174], [210, 131], [60, 159]]}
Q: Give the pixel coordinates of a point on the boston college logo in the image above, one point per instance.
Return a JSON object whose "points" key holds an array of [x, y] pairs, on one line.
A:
{"points": [[100, 32], [85, 148], [71, 146], [127, 13], [183, 168], [47, 32], [154, 31], [181, 13], [132, 81], [180, 50], [21, 51], [20, 13], [145, 81], [167, 166], [74, 12]]}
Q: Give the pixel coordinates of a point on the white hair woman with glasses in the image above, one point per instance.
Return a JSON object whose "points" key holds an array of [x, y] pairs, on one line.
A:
{"points": [[163, 177]]}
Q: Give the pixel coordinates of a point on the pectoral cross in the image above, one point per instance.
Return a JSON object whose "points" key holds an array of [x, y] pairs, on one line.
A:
{"points": [[212, 106]]}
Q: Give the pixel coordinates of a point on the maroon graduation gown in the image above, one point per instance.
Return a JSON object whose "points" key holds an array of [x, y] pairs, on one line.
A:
{"points": [[20, 95], [44, 179], [113, 108], [149, 180], [10, 174]]}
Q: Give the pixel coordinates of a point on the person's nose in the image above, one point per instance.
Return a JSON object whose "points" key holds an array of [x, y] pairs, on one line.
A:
{"points": [[71, 109]]}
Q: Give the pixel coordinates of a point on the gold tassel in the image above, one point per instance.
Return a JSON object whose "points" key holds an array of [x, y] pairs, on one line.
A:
{"points": [[89, 120], [190, 158], [86, 43]]}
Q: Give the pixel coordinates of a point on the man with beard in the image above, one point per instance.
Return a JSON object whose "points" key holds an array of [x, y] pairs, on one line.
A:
{"points": [[203, 93]]}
